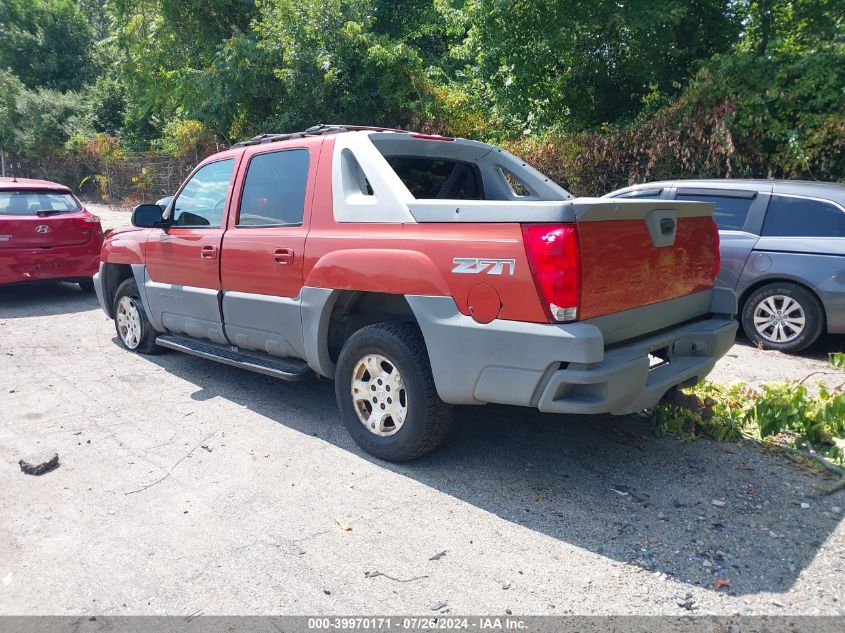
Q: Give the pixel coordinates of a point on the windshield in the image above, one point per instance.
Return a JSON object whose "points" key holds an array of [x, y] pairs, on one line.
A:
{"points": [[31, 202]]}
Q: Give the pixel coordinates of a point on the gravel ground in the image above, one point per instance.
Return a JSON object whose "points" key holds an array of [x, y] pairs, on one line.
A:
{"points": [[188, 486]]}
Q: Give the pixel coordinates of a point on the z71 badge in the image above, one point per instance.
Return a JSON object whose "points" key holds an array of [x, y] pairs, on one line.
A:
{"points": [[478, 266]]}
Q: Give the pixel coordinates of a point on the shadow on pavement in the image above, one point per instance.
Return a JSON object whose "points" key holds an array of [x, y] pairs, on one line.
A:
{"points": [[46, 298], [600, 483]]}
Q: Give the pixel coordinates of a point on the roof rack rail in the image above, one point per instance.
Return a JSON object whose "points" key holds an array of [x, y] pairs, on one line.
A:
{"points": [[314, 130]]}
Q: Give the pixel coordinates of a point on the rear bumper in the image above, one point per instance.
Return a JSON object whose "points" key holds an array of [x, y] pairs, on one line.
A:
{"points": [[624, 383], [39, 264], [566, 368]]}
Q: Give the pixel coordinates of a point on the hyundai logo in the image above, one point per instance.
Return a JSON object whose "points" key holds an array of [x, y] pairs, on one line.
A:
{"points": [[42, 228]]}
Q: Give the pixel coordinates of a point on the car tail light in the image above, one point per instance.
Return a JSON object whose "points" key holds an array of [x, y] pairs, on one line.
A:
{"points": [[555, 263]]}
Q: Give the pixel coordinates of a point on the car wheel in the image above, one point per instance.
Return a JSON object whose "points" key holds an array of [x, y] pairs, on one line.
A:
{"points": [[130, 320], [86, 285], [386, 393], [783, 317]]}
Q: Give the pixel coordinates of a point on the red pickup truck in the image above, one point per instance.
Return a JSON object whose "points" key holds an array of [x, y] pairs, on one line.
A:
{"points": [[420, 272]]}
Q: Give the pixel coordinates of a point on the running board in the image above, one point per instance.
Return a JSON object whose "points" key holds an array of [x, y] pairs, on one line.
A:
{"points": [[284, 368]]}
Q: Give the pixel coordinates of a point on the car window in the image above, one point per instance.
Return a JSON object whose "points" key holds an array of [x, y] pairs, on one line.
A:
{"points": [[641, 193], [802, 217], [202, 200], [274, 189], [30, 202], [729, 212], [431, 178]]}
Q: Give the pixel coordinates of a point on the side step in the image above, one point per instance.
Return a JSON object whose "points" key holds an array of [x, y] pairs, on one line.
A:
{"points": [[284, 368]]}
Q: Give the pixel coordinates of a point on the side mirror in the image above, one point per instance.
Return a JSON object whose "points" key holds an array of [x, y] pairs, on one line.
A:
{"points": [[148, 216]]}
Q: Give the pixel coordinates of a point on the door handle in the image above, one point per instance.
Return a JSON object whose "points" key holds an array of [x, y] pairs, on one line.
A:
{"points": [[209, 251], [283, 256]]}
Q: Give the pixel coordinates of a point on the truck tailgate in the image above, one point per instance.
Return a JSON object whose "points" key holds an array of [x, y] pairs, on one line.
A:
{"points": [[641, 252]]}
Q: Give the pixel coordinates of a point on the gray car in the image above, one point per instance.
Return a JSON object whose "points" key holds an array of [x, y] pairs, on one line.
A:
{"points": [[783, 251]]}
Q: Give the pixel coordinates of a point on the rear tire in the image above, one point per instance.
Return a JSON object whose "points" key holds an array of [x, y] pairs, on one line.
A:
{"points": [[783, 316], [386, 393], [130, 320]]}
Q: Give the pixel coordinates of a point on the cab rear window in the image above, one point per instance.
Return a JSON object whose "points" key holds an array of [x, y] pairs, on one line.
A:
{"points": [[431, 178], [30, 202]]}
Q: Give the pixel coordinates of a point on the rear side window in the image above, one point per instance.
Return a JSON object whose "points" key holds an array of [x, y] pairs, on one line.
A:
{"points": [[202, 200], [432, 178], [274, 189], [30, 202], [802, 217], [729, 212]]}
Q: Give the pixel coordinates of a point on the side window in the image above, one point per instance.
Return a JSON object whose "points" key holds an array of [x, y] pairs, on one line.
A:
{"points": [[432, 178], [516, 185], [729, 212], [201, 201], [802, 217], [274, 189], [641, 193]]}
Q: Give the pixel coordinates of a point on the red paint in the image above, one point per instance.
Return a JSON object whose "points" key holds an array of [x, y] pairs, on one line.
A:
{"points": [[41, 247], [484, 303], [189, 256], [622, 269]]}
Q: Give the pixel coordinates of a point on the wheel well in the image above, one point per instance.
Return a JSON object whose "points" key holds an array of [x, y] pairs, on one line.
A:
{"points": [[113, 276], [767, 282], [354, 310]]}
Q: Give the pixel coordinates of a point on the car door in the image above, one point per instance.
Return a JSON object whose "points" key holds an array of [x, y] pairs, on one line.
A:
{"points": [[803, 240], [183, 261], [262, 264], [734, 215]]}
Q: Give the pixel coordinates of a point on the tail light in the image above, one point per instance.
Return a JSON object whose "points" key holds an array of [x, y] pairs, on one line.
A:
{"points": [[556, 266], [88, 217]]}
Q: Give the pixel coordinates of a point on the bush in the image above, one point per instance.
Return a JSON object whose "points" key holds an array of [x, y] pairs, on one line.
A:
{"points": [[786, 412]]}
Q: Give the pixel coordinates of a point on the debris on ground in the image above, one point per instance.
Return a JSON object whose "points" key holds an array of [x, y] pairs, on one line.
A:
{"points": [[438, 555], [687, 603], [438, 604], [376, 574], [343, 525], [39, 463]]}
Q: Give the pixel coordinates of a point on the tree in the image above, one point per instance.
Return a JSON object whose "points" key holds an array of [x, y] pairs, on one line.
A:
{"points": [[578, 64], [46, 43]]}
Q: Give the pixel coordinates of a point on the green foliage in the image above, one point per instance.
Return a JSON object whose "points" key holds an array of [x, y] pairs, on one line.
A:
{"points": [[785, 411], [550, 65], [837, 360], [184, 138], [596, 93], [37, 122], [46, 43]]}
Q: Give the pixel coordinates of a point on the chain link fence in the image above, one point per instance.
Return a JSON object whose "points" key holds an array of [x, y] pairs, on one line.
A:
{"points": [[125, 181]]}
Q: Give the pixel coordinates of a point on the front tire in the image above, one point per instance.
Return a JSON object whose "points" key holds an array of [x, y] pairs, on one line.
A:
{"points": [[386, 393], [784, 317], [130, 320]]}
